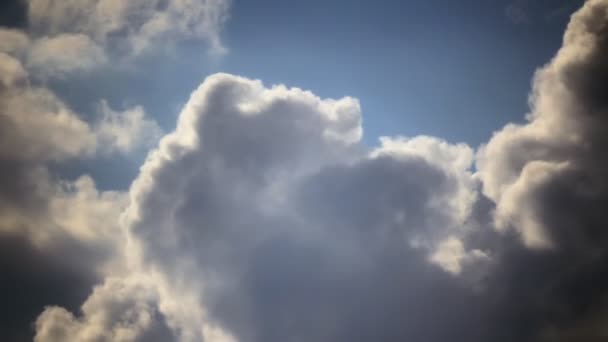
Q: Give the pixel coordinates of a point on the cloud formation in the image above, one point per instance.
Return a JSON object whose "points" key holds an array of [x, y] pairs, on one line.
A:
{"points": [[259, 187], [537, 171], [263, 217], [129, 28]]}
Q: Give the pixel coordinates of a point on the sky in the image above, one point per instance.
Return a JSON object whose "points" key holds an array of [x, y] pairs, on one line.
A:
{"points": [[231, 171]]}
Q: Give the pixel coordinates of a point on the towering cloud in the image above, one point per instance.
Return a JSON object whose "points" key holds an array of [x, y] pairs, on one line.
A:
{"points": [[262, 218], [537, 172], [549, 180]]}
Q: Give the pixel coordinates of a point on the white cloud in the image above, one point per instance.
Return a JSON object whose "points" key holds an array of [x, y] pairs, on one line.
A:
{"points": [[131, 27], [126, 131], [254, 177], [452, 256], [117, 311], [263, 217], [36, 125], [11, 71], [13, 42], [64, 54]]}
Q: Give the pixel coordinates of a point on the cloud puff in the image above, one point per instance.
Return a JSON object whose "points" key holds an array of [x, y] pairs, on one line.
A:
{"points": [[126, 131], [263, 218], [63, 38], [68, 226], [131, 27], [64, 54], [51, 217], [548, 177], [38, 126], [13, 41], [115, 311]]}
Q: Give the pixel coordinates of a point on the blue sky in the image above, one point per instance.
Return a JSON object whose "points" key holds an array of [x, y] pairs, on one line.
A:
{"points": [[459, 70]]}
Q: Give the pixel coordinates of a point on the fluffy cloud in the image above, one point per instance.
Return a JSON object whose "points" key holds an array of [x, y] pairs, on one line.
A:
{"points": [[549, 180], [118, 310], [64, 54], [13, 41], [68, 230], [263, 218], [538, 171], [63, 38], [126, 131], [38, 126], [55, 220], [129, 28]]}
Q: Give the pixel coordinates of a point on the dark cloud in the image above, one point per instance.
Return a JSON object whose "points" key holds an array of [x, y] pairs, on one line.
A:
{"points": [[549, 181], [33, 279], [13, 13]]}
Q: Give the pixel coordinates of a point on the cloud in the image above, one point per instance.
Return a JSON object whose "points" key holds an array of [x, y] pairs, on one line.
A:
{"points": [[263, 218], [63, 38], [36, 125], [130, 28], [13, 41], [126, 131], [64, 54], [535, 172], [115, 311], [69, 226], [56, 219], [548, 178]]}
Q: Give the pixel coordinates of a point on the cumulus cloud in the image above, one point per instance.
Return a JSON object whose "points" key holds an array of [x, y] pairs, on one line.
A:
{"points": [[548, 178], [535, 172], [38, 126], [118, 310], [130, 28], [64, 54], [13, 41], [263, 218], [63, 38], [53, 218], [67, 227]]}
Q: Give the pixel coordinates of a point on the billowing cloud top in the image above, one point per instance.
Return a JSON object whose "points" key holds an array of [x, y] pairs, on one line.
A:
{"points": [[263, 216]]}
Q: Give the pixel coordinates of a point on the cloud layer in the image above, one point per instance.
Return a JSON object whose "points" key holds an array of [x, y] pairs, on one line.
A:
{"points": [[263, 217]]}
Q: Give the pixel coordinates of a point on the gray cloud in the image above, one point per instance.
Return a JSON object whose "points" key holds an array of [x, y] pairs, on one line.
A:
{"points": [[266, 220], [130, 28], [548, 180], [263, 217], [54, 220]]}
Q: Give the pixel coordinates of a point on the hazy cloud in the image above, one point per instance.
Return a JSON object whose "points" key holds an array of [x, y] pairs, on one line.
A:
{"points": [[129, 28]]}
